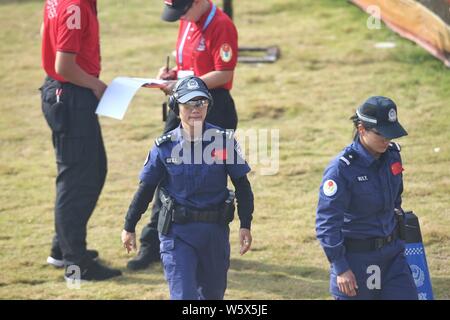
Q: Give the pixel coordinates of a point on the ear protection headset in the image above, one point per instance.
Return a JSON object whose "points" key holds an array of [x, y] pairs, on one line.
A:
{"points": [[173, 101]]}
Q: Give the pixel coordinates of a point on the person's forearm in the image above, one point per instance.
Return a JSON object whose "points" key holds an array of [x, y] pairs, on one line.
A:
{"points": [[215, 79], [245, 199], [139, 205]]}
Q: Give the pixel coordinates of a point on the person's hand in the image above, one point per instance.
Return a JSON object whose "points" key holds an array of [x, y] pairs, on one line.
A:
{"points": [[129, 240], [99, 89], [347, 283], [164, 74], [168, 87], [245, 239]]}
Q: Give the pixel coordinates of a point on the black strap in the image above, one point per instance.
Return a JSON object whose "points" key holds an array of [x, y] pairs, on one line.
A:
{"points": [[365, 245], [185, 215]]}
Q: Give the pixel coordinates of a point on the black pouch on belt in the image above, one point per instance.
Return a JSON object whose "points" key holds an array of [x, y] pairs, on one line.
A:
{"points": [[228, 209], [400, 215]]}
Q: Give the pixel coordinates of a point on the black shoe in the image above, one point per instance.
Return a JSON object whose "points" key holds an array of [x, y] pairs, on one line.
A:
{"points": [[55, 258], [91, 271], [144, 258]]}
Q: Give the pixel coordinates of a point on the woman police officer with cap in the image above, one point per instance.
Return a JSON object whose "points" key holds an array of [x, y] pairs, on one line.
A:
{"points": [[193, 176], [207, 47], [356, 215]]}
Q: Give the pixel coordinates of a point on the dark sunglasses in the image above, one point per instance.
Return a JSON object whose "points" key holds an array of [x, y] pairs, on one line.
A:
{"points": [[196, 104]]}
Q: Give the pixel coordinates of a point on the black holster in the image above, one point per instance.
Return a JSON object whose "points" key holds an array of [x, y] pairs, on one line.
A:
{"points": [[401, 223], [228, 209], [166, 212]]}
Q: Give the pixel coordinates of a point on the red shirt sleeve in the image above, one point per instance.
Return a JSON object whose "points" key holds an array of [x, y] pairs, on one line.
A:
{"points": [[224, 46], [72, 20]]}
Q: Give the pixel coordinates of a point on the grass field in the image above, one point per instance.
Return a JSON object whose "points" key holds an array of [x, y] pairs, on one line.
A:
{"points": [[328, 66]]}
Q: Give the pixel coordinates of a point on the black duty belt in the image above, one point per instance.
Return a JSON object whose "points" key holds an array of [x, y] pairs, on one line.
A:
{"points": [[372, 244], [185, 215]]}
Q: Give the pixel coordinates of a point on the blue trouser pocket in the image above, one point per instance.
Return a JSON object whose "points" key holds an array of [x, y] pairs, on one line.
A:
{"points": [[166, 249]]}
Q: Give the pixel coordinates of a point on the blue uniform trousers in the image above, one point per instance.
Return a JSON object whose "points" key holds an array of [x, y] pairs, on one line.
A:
{"points": [[396, 281], [196, 258]]}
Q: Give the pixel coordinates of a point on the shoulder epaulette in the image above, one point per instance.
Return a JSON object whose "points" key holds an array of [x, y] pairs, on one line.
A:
{"points": [[229, 134], [162, 139], [395, 146], [348, 157]]}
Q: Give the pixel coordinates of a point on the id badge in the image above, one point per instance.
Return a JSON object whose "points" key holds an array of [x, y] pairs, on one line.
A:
{"points": [[184, 73]]}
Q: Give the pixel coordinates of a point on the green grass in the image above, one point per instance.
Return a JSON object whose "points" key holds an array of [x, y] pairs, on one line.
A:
{"points": [[328, 67]]}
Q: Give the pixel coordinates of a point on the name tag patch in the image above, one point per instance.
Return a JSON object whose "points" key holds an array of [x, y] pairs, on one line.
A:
{"points": [[173, 160]]}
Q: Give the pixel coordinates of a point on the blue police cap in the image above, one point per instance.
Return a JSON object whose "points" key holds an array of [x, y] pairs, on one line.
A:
{"points": [[190, 87], [381, 113]]}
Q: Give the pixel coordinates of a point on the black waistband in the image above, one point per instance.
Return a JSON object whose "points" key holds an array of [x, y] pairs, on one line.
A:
{"points": [[184, 215], [66, 85], [364, 245]]}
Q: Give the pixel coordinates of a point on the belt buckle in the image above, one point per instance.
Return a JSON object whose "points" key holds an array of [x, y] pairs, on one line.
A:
{"points": [[379, 243], [389, 238]]}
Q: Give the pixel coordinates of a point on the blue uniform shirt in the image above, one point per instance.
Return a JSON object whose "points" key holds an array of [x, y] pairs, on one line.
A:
{"points": [[357, 198], [195, 173]]}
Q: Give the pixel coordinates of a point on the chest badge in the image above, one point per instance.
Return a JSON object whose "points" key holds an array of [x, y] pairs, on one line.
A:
{"points": [[330, 188], [201, 45], [362, 178], [219, 154]]}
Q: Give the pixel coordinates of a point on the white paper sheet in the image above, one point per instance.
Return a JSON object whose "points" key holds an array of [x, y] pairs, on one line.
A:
{"points": [[118, 95]]}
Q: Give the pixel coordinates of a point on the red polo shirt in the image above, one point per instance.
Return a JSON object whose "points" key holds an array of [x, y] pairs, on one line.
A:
{"points": [[71, 26], [207, 45]]}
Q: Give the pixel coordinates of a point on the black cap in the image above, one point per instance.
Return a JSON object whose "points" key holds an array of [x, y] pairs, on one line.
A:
{"points": [[174, 9], [189, 88], [381, 113]]}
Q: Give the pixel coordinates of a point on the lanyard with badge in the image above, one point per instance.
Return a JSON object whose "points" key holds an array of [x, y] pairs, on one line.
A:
{"points": [[185, 73]]}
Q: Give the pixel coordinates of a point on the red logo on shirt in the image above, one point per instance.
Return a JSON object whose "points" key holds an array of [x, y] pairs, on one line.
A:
{"points": [[396, 168], [219, 154], [226, 52]]}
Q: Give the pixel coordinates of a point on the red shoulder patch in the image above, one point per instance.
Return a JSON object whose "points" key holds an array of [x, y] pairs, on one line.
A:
{"points": [[396, 168]]}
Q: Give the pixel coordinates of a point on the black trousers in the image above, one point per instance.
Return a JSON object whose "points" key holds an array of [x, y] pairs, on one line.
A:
{"points": [[222, 114], [81, 163]]}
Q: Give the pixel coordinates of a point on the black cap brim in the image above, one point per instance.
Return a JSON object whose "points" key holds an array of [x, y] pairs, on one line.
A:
{"points": [[191, 95], [392, 131], [171, 14]]}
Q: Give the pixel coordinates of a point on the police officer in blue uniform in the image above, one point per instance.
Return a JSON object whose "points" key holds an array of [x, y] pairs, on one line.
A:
{"points": [[191, 164], [359, 198]]}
